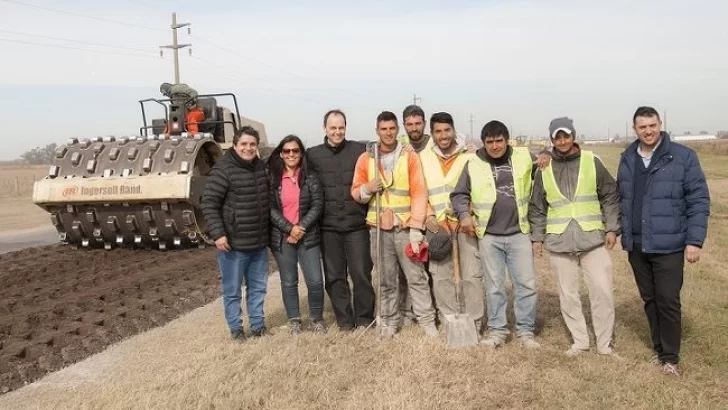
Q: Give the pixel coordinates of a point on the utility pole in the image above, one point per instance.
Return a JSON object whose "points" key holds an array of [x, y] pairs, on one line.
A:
{"points": [[415, 98], [472, 120], [175, 46]]}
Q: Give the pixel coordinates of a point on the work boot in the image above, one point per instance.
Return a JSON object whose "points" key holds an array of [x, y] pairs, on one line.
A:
{"points": [[237, 335], [431, 330], [260, 332], [575, 351], [387, 332], [529, 342], [492, 341]]}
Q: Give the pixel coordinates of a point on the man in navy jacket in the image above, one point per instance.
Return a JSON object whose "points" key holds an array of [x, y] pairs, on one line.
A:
{"points": [[665, 205]]}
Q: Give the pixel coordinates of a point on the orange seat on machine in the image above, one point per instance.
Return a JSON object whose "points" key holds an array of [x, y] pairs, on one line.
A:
{"points": [[192, 119]]}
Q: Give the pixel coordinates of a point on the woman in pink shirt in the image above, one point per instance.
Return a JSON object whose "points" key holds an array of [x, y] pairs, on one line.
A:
{"points": [[297, 202]]}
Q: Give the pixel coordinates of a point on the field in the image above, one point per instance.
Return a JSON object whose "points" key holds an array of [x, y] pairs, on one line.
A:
{"points": [[190, 362], [17, 212]]}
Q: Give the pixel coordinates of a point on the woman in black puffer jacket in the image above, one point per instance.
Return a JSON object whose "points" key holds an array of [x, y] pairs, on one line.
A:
{"points": [[297, 202]]}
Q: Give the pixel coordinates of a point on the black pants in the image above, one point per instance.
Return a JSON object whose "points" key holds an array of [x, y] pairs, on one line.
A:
{"points": [[342, 252], [659, 279]]}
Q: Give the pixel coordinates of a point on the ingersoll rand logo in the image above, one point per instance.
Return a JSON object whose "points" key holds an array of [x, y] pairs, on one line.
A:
{"points": [[70, 191]]}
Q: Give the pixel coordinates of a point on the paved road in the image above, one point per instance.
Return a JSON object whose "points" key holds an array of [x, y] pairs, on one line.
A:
{"points": [[15, 240]]}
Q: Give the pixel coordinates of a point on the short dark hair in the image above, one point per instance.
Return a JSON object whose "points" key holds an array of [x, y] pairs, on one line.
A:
{"points": [[493, 129], [412, 110], [386, 116], [645, 111], [442, 118], [331, 112], [247, 130]]}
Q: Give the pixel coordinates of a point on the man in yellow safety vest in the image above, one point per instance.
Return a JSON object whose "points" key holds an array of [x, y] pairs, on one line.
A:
{"points": [[574, 214], [496, 184], [403, 193], [443, 162]]}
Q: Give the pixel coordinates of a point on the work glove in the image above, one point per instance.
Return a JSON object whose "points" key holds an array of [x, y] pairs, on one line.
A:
{"points": [[416, 238]]}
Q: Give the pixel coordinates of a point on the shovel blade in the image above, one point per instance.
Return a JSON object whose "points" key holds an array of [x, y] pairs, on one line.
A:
{"points": [[460, 330]]}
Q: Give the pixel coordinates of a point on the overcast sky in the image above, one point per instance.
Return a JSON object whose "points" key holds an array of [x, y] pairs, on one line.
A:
{"points": [[523, 62]]}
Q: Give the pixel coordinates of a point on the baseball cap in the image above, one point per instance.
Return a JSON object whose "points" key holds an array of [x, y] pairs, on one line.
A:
{"points": [[565, 124]]}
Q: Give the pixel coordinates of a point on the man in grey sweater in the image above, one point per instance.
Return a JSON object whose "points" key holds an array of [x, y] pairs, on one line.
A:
{"points": [[574, 214]]}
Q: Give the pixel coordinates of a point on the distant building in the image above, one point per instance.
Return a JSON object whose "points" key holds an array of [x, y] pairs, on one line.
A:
{"points": [[693, 137]]}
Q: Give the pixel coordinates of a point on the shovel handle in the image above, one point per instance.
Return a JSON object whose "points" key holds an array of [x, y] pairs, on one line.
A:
{"points": [[455, 253]]}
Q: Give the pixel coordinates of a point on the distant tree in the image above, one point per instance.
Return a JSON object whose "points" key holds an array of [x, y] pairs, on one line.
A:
{"points": [[40, 155], [703, 132], [722, 134]]}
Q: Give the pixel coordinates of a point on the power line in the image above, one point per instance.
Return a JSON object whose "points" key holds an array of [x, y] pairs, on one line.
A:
{"points": [[70, 13], [76, 41], [290, 73], [30, 43]]}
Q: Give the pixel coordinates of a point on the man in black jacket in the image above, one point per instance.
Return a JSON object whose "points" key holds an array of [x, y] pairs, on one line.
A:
{"points": [[236, 206], [345, 243]]}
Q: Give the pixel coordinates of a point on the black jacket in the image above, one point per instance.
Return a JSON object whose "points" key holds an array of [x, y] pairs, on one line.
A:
{"points": [[236, 202], [310, 208], [335, 169]]}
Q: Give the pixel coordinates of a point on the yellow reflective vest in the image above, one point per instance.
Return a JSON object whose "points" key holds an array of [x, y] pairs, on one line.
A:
{"points": [[483, 189], [584, 209], [396, 192], [439, 185]]}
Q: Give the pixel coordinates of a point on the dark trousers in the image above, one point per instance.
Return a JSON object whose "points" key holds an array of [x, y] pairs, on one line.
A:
{"points": [[349, 252], [659, 279]]}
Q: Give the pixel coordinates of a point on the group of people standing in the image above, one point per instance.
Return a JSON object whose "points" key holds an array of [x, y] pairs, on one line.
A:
{"points": [[502, 204]]}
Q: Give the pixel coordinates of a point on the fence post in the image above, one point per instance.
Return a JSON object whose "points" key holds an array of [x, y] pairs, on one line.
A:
{"points": [[17, 186]]}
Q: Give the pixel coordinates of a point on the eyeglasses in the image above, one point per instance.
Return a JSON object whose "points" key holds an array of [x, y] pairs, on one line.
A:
{"points": [[287, 151]]}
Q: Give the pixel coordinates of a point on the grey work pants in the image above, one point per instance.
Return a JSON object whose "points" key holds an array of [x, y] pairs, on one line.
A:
{"points": [[394, 259], [471, 274]]}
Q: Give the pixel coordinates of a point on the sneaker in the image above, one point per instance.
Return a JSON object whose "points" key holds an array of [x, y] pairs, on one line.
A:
{"points": [[528, 342], [259, 332], [492, 341], [670, 369], [318, 326], [575, 351], [431, 330], [237, 336], [655, 360], [295, 327]]}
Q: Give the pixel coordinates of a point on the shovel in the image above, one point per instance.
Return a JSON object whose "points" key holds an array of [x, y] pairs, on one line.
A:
{"points": [[459, 328], [377, 243]]}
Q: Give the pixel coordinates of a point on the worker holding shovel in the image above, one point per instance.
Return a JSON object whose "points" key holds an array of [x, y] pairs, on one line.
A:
{"points": [[443, 162], [391, 180]]}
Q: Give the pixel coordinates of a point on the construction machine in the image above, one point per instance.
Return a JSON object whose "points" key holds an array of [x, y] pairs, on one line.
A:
{"points": [[144, 190]]}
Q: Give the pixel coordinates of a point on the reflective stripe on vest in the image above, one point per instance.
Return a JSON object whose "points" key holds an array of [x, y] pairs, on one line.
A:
{"points": [[439, 186], [483, 190], [395, 194], [584, 209]]}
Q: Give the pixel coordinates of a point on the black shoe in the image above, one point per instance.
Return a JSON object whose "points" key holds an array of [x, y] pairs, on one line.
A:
{"points": [[237, 336], [260, 332]]}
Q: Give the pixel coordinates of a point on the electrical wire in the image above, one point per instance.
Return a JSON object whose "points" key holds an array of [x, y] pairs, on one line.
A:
{"points": [[70, 13]]}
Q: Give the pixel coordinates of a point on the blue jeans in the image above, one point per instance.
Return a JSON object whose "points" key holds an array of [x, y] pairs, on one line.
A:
{"points": [[252, 267], [515, 253], [288, 259]]}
